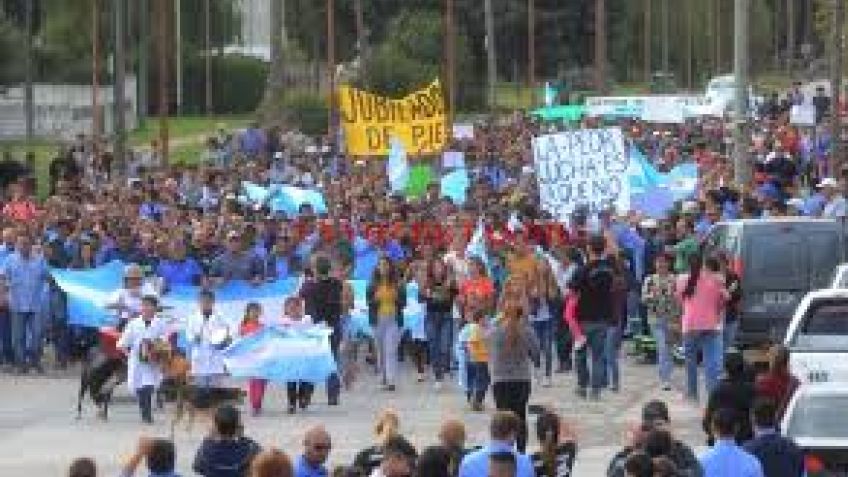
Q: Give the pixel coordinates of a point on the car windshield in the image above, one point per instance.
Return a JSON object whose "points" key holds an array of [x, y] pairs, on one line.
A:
{"points": [[819, 416], [824, 326]]}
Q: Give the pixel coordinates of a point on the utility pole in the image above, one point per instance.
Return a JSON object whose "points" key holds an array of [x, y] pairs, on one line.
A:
{"points": [[29, 107], [118, 95], [143, 56], [600, 46], [531, 48], [491, 58], [450, 58], [361, 37], [740, 58], [838, 50], [331, 68], [647, 38], [690, 45], [162, 52], [95, 78], [178, 30], [207, 47], [790, 37], [665, 46]]}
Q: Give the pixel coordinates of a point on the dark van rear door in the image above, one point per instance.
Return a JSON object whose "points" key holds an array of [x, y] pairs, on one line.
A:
{"points": [[775, 279]]}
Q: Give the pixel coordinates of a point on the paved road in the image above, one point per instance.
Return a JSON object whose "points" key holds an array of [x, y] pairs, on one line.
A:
{"points": [[39, 434]]}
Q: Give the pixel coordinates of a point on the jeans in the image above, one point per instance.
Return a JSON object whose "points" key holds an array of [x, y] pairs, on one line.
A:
{"points": [[612, 346], [478, 381], [60, 333], [544, 333], [387, 335], [299, 391], [711, 347], [7, 353], [595, 344], [334, 384], [145, 402], [513, 396], [729, 333], [664, 363], [439, 329], [26, 337]]}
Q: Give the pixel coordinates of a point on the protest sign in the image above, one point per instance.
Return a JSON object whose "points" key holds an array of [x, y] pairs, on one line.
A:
{"points": [[584, 169], [463, 131], [802, 115], [635, 106], [453, 160], [370, 121]]}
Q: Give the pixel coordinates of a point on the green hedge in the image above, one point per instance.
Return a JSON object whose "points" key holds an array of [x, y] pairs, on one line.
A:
{"points": [[238, 83], [306, 110]]}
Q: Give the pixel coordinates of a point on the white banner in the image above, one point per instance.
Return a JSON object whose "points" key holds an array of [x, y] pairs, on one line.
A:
{"points": [[584, 169], [802, 115], [635, 106], [664, 110]]}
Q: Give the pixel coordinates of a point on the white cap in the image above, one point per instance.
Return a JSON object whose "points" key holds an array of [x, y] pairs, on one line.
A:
{"points": [[828, 182], [649, 224]]}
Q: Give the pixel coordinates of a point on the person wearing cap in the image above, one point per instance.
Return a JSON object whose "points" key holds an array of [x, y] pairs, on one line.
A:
{"points": [[126, 301], [137, 339], [208, 333], [835, 205]]}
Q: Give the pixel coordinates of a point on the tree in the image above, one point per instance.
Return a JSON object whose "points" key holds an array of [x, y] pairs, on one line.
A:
{"points": [[275, 85]]}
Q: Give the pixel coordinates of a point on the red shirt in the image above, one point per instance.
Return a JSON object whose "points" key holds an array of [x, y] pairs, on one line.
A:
{"points": [[22, 210], [778, 387], [249, 327]]}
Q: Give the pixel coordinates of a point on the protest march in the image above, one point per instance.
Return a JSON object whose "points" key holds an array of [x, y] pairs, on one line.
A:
{"points": [[514, 279]]}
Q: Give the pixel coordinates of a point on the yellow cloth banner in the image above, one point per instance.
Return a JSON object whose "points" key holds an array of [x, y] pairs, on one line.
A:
{"points": [[370, 121]]}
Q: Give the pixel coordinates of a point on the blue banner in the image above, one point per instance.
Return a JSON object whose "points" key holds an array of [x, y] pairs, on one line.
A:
{"points": [[283, 354], [284, 198], [654, 193]]}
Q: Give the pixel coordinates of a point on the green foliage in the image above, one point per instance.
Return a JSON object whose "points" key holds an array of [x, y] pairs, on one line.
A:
{"points": [[237, 84], [306, 110], [11, 52]]}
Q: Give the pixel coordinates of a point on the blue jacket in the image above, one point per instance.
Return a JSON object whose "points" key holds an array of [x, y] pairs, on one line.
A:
{"points": [[778, 455]]}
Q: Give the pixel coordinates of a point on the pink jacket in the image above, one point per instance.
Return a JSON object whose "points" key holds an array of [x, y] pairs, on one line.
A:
{"points": [[703, 311]]}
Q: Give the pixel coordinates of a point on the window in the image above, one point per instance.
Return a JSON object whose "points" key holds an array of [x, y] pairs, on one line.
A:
{"points": [[824, 326], [820, 416]]}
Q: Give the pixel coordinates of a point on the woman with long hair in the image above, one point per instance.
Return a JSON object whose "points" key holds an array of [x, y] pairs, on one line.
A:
{"points": [[386, 426], [702, 295], [558, 447], [386, 298], [514, 348], [438, 294], [544, 295]]}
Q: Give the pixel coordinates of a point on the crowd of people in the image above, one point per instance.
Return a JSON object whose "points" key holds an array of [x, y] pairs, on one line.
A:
{"points": [[546, 297]]}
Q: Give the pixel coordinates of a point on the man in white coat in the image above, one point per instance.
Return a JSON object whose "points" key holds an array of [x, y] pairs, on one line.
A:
{"points": [[143, 375], [208, 333]]}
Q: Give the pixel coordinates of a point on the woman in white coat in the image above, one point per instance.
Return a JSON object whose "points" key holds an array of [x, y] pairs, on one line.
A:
{"points": [[208, 333], [139, 339]]}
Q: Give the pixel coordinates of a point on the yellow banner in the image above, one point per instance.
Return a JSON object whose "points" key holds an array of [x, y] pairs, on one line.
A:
{"points": [[370, 121]]}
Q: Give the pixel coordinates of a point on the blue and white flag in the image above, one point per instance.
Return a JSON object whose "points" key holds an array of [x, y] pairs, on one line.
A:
{"points": [[477, 245], [289, 199], [397, 167], [88, 292], [454, 185], [283, 354]]}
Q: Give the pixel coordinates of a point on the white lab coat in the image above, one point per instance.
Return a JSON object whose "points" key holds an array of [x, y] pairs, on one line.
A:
{"points": [[128, 302], [140, 373], [206, 359]]}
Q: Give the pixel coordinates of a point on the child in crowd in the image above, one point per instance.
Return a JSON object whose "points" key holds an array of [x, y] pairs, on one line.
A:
{"points": [[299, 392], [477, 365], [256, 386]]}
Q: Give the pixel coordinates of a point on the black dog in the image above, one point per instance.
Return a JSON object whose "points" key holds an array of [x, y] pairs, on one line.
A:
{"points": [[99, 378]]}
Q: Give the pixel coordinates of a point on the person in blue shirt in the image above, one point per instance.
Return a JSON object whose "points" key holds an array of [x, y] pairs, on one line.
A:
{"points": [[503, 432], [316, 450], [178, 268], [726, 458], [26, 274]]}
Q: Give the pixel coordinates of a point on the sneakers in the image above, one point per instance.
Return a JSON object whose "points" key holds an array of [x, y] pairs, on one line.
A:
{"points": [[438, 385], [421, 377], [546, 382], [389, 387], [579, 343], [666, 386]]}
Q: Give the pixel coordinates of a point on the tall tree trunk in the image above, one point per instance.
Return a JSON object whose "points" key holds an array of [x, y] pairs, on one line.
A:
{"points": [[600, 46], [276, 83], [647, 38]]}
